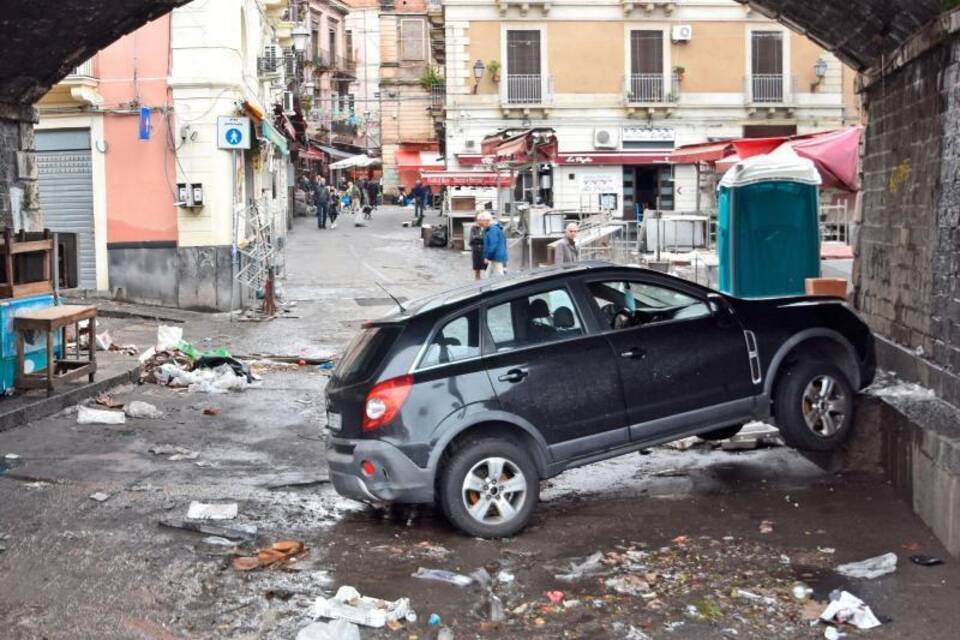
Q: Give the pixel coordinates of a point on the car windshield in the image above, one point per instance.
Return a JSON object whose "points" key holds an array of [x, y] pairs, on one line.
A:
{"points": [[365, 353]]}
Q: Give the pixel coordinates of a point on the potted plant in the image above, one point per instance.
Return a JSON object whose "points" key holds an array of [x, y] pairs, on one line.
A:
{"points": [[679, 71], [431, 78], [494, 68]]}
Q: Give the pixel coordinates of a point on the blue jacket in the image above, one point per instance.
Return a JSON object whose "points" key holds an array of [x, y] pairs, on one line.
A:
{"points": [[495, 244]]}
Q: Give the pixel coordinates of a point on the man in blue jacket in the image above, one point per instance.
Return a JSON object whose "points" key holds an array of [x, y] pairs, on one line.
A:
{"points": [[494, 245]]}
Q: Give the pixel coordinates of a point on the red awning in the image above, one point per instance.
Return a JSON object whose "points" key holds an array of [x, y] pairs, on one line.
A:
{"points": [[703, 152], [612, 158], [536, 146], [749, 147], [464, 179], [415, 157], [311, 153], [288, 127], [837, 156]]}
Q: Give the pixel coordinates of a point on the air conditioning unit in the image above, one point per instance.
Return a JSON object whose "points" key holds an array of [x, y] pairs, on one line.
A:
{"points": [[470, 144], [606, 138], [683, 33]]}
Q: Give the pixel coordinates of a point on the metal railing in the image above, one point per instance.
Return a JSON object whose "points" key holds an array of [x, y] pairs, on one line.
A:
{"points": [[652, 88], [438, 97], [768, 88], [84, 70], [525, 88]]}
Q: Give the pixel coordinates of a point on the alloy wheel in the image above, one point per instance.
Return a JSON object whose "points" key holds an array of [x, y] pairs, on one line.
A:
{"points": [[824, 406], [494, 491]]}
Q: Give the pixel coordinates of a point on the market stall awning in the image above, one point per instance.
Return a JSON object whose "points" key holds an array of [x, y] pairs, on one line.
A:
{"points": [[274, 137], [749, 147], [465, 179], [611, 158], [703, 152], [531, 146], [312, 153], [836, 155], [362, 161], [407, 157]]}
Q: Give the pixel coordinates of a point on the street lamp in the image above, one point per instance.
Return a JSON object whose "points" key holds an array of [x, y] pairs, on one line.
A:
{"points": [[478, 70], [820, 68], [300, 36]]}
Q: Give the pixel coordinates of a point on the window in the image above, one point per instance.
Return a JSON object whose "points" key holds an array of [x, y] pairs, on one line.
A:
{"points": [[766, 50], [524, 80], [458, 340], [646, 66], [532, 320], [412, 39], [315, 44], [625, 304], [365, 353]]}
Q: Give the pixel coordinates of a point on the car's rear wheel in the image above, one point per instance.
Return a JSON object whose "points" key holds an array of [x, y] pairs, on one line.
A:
{"points": [[722, 434], [489, 488], [814, 406]]}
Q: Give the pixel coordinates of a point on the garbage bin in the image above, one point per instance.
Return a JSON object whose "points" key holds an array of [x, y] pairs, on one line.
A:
{"points": [[768, 233]]}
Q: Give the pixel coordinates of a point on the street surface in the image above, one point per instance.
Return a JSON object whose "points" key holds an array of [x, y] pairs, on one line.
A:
{"points": [[696, 544]]}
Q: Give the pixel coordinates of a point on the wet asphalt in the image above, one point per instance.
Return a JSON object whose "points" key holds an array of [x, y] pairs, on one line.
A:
{"points": [[689, 531]]}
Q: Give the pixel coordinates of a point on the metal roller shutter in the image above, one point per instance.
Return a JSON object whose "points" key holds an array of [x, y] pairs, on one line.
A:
{"points": [[66, 193]]}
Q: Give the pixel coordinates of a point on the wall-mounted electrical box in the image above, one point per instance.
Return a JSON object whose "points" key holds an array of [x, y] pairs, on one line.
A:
{"points": [[189, 196]]}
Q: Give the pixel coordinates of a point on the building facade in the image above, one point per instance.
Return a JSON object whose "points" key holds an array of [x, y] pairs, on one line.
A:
{"points": [[131, 157], [363, 25], [623, 83]]}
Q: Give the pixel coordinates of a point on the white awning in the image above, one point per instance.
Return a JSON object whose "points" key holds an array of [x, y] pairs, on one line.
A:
{"points": [[362, 161]]}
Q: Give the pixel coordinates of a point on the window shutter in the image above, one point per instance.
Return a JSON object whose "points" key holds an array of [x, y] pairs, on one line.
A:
{"points": [[767, 52], [646, 52], [412, 45], [523, 52]]}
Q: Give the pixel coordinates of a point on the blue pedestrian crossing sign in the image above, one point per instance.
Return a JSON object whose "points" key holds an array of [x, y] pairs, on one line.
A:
{"points": [[233, 133]]}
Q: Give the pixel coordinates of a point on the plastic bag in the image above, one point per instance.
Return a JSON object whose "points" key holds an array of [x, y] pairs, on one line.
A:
{"points": [[86, 415]]}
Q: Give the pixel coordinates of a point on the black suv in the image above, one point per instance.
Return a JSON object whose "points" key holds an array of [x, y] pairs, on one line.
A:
{"points": [[469, 398]]}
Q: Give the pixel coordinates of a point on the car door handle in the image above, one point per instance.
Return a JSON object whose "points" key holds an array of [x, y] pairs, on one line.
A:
{"points": [[514, 375], [635, 353]]}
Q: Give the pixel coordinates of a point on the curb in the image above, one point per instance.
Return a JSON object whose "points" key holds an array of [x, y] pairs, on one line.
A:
{"points": [[46, 407]]}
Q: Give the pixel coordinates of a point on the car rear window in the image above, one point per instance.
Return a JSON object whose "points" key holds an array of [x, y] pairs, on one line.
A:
{"points": [[365, 353]]}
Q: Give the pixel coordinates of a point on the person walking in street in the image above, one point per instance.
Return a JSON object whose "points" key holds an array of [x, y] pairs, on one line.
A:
{"points": [[567, 251], [494, 245], [476, 248], [334, 206], [372, 193], [354, 194], [321, 201], [418, 199]]}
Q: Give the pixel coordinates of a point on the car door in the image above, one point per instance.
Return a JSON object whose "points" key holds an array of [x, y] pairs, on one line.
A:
{"points": [[683, 360], [550, 372]]}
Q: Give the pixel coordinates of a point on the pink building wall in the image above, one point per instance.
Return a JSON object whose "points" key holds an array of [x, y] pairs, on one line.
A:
{"points": [[140, 174]]}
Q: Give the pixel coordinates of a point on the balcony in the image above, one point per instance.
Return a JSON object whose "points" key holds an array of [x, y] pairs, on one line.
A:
{"points": [[438, 98], [523, 6], [652, 88], [84, 70], [770, 91], [80, 86], [525, 89]]}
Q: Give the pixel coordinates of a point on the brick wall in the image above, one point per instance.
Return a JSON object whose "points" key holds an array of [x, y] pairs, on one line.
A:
{"points": [[906, 277]]}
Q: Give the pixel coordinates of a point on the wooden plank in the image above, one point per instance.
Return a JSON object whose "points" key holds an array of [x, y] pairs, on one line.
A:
{"points": [[31, 246], [54, 317], [26, 289], [8, 259]]}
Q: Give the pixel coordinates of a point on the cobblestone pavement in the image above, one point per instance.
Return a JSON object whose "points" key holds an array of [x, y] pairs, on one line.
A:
{"points": [[683, 535]]}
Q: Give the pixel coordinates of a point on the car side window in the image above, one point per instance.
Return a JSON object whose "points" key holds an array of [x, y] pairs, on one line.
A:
{"points": [[532, 320], [459, 339], [624, 304]]}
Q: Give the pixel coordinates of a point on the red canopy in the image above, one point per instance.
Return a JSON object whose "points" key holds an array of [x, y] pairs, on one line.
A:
{"points": [[703, 152], [529, 147], [749, 147], [312, 153], [837, 156], [464, 179]]}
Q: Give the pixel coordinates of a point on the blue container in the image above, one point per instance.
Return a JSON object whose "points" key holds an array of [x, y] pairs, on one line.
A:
{"points": [[35, 342], [768, 232]]}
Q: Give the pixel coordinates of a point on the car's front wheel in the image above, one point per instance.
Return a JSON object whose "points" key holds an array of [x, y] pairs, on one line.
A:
{"points": [[814, 406], [489, 487]]}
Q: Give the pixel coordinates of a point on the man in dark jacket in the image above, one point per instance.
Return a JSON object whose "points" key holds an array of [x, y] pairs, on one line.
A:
{"points": [[418, 193], [494, 245], [321, 199]]}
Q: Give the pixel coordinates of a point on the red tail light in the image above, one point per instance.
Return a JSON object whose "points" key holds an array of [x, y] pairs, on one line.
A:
{"points": [[384, 401]]}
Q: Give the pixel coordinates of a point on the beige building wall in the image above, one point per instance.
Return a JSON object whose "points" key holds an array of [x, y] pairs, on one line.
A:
{"points": [[714, 59], [586, 57], [484, 38]]}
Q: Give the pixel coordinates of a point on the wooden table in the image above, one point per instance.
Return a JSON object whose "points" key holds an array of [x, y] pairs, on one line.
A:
{"points": [[49, 321]]}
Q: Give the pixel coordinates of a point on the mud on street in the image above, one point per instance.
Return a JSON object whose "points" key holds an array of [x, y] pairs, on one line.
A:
{"points": [[702, 543]]}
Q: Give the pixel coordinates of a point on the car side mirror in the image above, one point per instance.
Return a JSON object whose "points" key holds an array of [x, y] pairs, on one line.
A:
{"points": [[719, 305]]}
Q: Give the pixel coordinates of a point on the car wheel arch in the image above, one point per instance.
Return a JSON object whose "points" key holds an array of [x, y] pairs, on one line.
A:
{"points": [[818, 341], [493, 425]]}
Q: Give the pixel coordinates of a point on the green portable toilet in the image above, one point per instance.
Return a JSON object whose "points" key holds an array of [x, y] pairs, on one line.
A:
{"points": [[768, 231]]}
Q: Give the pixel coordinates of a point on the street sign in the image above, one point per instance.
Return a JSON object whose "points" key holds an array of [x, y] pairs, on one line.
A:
{"points": [[233, 133]]}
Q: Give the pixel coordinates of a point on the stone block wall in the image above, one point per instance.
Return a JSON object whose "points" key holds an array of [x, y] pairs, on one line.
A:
{"points": [[19, 188], [906, 275]]}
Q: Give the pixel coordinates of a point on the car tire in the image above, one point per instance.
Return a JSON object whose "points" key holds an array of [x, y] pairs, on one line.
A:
{"points": [[813, 404], [721, 434], [475, 502]]}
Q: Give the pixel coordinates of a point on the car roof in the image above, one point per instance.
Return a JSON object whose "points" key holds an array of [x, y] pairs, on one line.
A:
{"points": [[476, 290]]}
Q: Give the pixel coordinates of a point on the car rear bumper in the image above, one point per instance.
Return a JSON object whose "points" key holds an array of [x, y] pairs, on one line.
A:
{"points": [[396, 479]]}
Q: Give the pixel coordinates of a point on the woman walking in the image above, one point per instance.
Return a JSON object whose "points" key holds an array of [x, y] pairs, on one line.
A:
{"points": [[476, 249]]}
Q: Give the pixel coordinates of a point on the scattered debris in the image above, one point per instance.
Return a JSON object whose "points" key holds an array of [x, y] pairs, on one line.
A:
{"points": [[684, 443], [349, 605], [801, 591], [100, 496], [433, 620], [218, 541], [630, 584], [505, 577], [755, 597], [766, 526], [556, 597], [169, 338], [926, 561], [174, 454], [831, 633], [333, 630], [279, 553], [300, 480], [670, 473], [591, 566], [212, 511], [441, 575], [211, 411], [870, 568], [233, 531], [87, 415], [106, 401], [847, 608], [827, 550], [138, 409]]}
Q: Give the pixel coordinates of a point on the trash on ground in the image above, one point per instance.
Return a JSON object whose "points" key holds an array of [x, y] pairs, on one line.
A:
{"points": [[215, 362], [333, 630], [684, 443], [106, 401], [801, 591], [847, 608], [349, 605], [139, 409], [279, 553], [591, 566], [556, 597], [755, 597], [302, 480], [232, 531], [630, 584], [870, 568], [219, 380], [174, 454], [441, 575], [104, 341], [505, 577], [766, 526], [169, 338], [925, 561], [86, 415], [211, 411], [212, 511], [670, 473], [433, 620], [100, 496], [218, 541]]}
